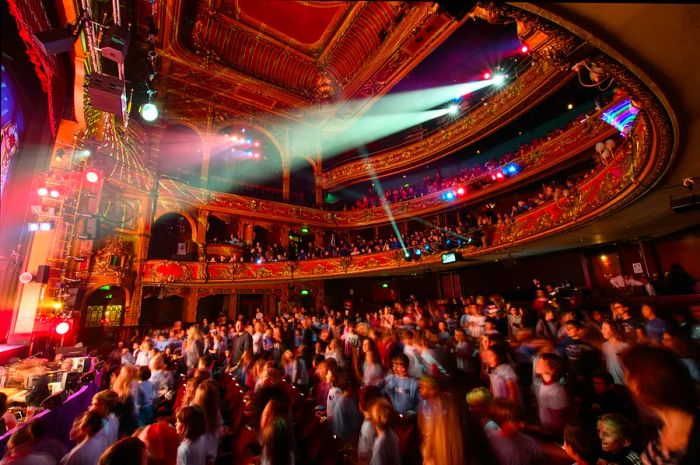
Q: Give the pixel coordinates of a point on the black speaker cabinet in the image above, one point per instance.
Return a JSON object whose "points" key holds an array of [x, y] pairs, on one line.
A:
{"points": [[115, 43], [54, 41], [107, 93], [42, 274]]}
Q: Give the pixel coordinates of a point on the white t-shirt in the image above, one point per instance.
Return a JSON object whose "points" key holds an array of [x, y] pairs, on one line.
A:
{"points": [[552, 403], [499, 377], [257, 342], [86, 453], [192, 452]]}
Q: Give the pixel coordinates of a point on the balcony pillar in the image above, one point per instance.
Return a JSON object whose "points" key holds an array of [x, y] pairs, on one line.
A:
{"points": [[190, 314]]}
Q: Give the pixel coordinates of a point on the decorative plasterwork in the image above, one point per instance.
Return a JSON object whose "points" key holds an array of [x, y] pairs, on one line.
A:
{"points": [[175, 196], [365, 51]]}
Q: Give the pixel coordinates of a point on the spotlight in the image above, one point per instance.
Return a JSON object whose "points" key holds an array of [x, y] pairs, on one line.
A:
{"points": [[524, 49], [418, 252], [85, 153], [487, 75], [62, 328], [449, 195], [499, 175], [258, 261], [511, 169], [257, 144], [256, 155], [32, 227], [570, 106], [149, 112], [453, 109], [460, 191], [92, 176], [499, 79], [54, 194], [42, 191], [385, 285], [45, 226]]}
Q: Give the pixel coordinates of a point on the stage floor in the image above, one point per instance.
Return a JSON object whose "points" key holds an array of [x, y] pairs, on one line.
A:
{"points": [[8, 352]]}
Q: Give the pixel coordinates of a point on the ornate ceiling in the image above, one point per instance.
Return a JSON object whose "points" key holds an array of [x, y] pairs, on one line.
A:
{"points": [[280, 55]]}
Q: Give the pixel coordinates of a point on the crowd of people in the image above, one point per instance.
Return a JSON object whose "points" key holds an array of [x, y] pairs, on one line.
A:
{"points": [[473, 380], [475, 177]]}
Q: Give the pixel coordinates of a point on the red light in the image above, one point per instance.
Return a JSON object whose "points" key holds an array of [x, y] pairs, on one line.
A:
{"points": [[257, 144], [256, 155], [493, 177], [54, 193], [42, 191], [524, 49], [499, 175], [487, 75], [62, 328], [460, 191], [92, 176]]}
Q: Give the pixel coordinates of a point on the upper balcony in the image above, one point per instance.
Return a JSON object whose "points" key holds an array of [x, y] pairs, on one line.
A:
{"points": [[579, 138]]}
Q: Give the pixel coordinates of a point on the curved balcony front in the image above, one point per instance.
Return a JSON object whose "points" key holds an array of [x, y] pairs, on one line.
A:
{"points": [[179, 197], [638, 163]]}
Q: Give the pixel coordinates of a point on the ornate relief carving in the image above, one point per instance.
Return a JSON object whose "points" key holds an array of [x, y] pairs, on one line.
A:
{"points": [[114, 258]]}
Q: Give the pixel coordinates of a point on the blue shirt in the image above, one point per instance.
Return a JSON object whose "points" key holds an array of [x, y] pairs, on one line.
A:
{"points": [[403, 392], [655, 329]]}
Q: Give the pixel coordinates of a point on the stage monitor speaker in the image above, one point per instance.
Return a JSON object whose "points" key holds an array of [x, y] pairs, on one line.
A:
{"points": [[107, 93], [42, 274], [115, 43], [54, 41], [456, 8]]}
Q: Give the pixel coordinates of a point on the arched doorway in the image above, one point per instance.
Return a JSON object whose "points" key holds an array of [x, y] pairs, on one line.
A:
{"points": [[302, 182], [244, 161], [217, 230], [103, 316], [171, 239], [180, 155], [161, 311], [211, 307]]}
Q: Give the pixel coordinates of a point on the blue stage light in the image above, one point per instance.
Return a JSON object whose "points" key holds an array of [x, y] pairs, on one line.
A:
{"points": [[511, 169]]}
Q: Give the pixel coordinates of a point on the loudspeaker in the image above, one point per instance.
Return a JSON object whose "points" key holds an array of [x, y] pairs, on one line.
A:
{"points": [[107, 93], [456, 8], [54, 41], [42, 274], [115, 43]]}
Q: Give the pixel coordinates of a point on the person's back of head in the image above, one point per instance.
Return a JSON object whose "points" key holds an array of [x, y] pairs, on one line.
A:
{"points": [[659, 379], [581, 443], [91, 423], [191, 423], [127, 451]]}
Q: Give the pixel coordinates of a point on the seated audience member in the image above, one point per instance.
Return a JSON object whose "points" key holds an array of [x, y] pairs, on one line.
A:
{"points": [[509, 445], [615, 433], [479, 404], [191, 426], [385, 450], [581, 444], [127, 451], [660, 381], [89, 450], [401, 389]]}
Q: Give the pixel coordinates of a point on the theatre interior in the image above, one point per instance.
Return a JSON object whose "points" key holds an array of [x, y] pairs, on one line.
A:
{"points": [[484, 193]]}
